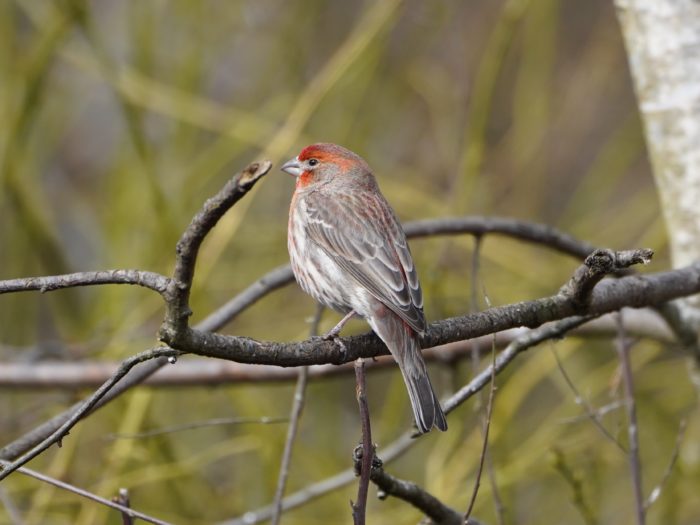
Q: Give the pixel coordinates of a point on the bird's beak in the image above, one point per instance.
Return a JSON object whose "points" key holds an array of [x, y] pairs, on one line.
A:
{"points": [[292, 167]]}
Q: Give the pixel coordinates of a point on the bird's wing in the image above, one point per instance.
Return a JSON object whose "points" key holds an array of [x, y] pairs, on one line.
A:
{"points": [[359, 231]]}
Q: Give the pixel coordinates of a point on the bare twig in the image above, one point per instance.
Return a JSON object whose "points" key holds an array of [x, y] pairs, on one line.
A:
{"points": [[47, 428], [487, 426], [318, 489], [85, 494], [515, 228], [177, 296], [436, 510], [591, 413], [574, 481], [534, 337], [85, 408], [406, 440], [122, 498], [152, 281], [656, 491], [11, 509], [360, 505], [632, 428], [486, 456], [201, 424], [597, 265], [295, 416], [74, 375]]}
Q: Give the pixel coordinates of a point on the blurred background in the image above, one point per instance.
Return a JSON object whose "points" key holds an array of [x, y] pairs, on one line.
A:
{"points": [[121, 118]]}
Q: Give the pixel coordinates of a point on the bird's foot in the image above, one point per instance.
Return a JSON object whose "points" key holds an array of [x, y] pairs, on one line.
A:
{"points": [[339, 343]]}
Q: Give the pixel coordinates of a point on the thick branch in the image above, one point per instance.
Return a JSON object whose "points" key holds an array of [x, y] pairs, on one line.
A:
{"points": [[634, 291], [177, 299], [643, 323], [474, 225]]}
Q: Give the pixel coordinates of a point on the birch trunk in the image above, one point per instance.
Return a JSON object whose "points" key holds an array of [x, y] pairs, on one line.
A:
{"points": [[663, 47]]}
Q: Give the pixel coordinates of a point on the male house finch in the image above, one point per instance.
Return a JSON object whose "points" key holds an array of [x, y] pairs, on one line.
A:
{"points": [[349, 252]]}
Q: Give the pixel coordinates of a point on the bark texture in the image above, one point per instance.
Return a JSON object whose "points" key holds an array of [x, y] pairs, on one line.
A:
{"points": [[663, 47]]}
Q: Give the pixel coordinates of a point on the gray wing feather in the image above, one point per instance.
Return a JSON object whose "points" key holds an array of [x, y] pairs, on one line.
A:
{"points": [[371, 246]]}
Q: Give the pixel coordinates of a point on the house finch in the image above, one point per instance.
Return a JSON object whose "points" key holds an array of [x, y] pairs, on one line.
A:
{"points": [[349, 252]]}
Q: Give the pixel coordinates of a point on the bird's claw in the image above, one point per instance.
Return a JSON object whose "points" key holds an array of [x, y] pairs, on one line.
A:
{"points": [[341, 346]]}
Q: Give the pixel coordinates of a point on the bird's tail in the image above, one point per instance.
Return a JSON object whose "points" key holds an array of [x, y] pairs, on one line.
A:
{"points": [[404, 345]]}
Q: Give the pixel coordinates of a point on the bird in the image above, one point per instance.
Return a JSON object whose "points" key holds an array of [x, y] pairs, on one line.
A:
{"points": [[349, 252]]}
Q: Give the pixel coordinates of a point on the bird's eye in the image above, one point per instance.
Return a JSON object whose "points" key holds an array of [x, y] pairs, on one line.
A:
{"points": [[313, 162]]}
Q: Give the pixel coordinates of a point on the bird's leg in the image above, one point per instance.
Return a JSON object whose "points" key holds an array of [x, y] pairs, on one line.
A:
{"points": [[333, 332]]}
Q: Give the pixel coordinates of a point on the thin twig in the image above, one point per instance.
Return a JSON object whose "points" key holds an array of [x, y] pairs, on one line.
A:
{"points": [[656, 491], [85, 494], [574, 481], [417, 496], [490, 471], [176, 297], [85, 408], [201, 424], [10, 508], [632, 427], [486, 427], [591, 413], [408, 439], [122, 498], [152, 281], [532, 338], [177, 310], [294, 417], [597, 265], [359, 507]]}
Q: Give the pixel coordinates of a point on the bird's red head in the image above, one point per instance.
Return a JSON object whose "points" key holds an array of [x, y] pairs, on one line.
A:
{"points": [[322, 161]]}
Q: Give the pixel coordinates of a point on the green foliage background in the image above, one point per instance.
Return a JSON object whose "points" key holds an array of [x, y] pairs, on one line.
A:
{"points": [[120, 118]]}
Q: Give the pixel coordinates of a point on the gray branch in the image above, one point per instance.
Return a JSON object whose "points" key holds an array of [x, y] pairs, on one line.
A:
{"points": [[150, 280]]}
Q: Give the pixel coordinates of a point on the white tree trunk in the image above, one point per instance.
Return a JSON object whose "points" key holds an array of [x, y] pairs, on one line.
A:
{"points": [[663, 46]]}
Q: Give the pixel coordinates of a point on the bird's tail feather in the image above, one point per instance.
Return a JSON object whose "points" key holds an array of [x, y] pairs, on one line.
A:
{"points": [[404, 345]]}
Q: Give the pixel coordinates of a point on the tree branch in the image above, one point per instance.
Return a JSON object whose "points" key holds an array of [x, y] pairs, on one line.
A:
{"points": [[364, 452], [123, 509], [85, 408], [75, 375], [177, 310], [152, 281], [611, 295], [436, 510]]}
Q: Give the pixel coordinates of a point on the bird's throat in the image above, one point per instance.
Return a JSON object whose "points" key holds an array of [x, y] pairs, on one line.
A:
{"points": [[304, 179]]}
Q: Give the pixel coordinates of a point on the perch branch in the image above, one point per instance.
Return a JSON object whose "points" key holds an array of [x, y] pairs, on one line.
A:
{"points": [[634, 291], [75, 375]]}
